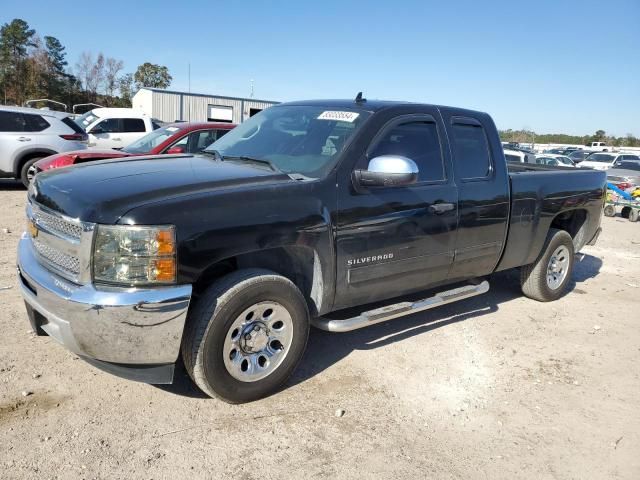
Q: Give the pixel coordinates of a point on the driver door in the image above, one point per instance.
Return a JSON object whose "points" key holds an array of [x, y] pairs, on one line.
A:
{"points": [[394, 240]]}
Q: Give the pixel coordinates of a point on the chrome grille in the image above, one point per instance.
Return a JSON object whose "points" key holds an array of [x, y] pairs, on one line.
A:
{"points": [[59, 260], [56, 224], [61, 243]]}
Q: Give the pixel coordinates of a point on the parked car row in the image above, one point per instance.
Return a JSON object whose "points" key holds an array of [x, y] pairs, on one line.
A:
{"points": [[33, 140], [173, 139]]}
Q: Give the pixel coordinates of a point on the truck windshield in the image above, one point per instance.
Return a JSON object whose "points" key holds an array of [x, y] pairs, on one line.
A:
{"points": [[600, 157], [295, 139], [151, 140]]}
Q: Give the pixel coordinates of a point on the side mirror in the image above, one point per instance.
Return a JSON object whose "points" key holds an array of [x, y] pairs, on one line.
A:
{"points": [[388, 171], [96, 130], [175, 150]]}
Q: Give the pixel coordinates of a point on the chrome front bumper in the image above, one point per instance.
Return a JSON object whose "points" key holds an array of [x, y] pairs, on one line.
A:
{"points": [[126, 327]]}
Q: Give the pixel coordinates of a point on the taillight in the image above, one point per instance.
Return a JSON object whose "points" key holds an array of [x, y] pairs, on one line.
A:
{"points": [[77, 137]]}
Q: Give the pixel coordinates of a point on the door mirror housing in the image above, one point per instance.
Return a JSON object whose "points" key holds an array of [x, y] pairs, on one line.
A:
{"points": [[388, 171], [96, 130], [175, 150]]}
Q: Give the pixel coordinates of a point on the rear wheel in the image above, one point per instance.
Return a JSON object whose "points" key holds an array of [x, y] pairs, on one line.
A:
{"points": [[634, 214], [609, 211], [28, 171], [246, 335], [546, 279]]}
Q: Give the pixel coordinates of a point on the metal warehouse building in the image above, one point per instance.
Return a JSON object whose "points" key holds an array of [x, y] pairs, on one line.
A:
{"points": [[171, 106]]}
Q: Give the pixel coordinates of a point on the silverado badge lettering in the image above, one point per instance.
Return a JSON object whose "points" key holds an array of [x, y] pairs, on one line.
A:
{"points": [[362, 260]]}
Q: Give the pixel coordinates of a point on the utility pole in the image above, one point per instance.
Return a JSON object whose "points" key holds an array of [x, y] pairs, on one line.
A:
{"points": [[251, 91]]}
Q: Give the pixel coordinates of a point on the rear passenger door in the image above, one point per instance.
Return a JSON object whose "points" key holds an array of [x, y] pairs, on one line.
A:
{"points": [[483, 193]]}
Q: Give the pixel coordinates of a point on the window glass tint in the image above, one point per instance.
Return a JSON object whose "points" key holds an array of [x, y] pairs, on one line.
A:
{"points": [[133, 125], [221, 133], [110, 125], [201, 140], [35, 123], [72, 125], [471, 150], [417, 141], [11, 122]]}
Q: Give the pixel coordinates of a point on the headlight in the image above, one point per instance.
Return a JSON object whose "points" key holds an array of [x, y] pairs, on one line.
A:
{"points": [[134, 255]]}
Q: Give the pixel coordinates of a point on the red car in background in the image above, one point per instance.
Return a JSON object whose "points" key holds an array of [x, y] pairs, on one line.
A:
{"points": [[172, 139]]}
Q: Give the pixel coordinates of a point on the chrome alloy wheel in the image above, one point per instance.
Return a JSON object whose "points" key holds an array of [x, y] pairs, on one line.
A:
{"points": [[257, 341], [558, 267]]}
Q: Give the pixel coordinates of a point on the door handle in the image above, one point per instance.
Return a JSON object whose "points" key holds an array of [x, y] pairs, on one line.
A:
{"points": [[117, 139], [24, 139], [440, 208]]}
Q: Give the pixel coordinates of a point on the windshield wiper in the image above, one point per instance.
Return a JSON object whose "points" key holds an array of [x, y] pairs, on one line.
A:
{"points": [[244, 158]]}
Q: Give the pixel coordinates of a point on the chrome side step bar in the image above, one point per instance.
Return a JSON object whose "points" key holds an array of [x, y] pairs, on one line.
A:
{"points": [[389, 312]]}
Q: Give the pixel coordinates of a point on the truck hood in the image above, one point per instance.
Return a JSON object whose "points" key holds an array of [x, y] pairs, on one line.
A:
{"points": [[103, 191]]}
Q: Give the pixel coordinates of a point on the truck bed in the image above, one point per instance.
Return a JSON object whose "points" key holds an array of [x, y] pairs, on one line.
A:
{"points": [[538, 194]]}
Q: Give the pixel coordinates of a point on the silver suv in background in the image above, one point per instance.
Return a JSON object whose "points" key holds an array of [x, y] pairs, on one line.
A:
{"points": [[29, 134]]}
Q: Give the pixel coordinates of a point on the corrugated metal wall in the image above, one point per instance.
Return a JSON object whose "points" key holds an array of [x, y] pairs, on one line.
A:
{"points": [[249, 104], [166, 106], [195, 107], [172, 106]]}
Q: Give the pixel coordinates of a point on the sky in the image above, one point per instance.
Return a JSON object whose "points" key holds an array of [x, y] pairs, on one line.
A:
{"points": [[560, 66]]}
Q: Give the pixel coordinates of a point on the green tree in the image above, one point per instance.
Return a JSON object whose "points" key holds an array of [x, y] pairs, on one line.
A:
{"points": [[56, 54], [15, 40], [125, 85], [57, 79], [151, 75]]}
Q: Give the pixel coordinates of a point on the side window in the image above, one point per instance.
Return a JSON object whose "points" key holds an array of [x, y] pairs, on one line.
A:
{"points": [[221, 133], [133, 125], [471, 150], [201, 140], [417, 140], [110, 125], [35, 123], [180, 143], [11, 122]]}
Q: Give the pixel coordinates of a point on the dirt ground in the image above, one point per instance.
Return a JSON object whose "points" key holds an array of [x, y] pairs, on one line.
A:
{"points": [[494, 387]]}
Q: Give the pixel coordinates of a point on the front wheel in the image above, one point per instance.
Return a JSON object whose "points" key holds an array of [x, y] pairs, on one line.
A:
{"points": [[246, 335], [634, 213], [546, 279]]}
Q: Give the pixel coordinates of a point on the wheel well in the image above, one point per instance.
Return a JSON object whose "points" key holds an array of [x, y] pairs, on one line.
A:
{"points": [[301, 265], [28, 156], [574, 222]]}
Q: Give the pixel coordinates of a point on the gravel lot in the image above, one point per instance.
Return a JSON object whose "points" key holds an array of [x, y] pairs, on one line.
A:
{"points": [[494, 387]]}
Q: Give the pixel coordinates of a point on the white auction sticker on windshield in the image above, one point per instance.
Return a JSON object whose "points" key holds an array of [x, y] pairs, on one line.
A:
{"points": [[339, 116]]}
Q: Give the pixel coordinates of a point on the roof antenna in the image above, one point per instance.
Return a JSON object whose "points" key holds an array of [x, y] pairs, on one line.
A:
{"points": [[359, 98]]}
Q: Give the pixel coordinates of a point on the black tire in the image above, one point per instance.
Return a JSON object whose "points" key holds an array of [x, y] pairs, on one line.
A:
{"points": [[533, 277], [24, 171], [634, 214], [209, 324], [609, 211], [625, 212]]}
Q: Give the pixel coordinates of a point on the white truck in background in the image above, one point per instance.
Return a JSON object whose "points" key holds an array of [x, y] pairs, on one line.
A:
{"points": [[598, 147], [115, 127]]}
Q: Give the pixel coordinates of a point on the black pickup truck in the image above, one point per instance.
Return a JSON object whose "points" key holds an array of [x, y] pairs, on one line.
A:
{"points": [[304, 212]]}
